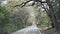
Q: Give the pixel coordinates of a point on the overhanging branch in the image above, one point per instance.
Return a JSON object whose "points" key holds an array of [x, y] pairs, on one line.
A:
{"points": [[24, 3]]}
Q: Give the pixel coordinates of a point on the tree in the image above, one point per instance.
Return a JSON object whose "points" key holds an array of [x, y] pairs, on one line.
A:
{"points": [[4, 18], [53, 15], [8, 21]]}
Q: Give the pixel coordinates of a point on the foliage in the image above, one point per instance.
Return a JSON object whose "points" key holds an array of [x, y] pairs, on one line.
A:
{"points": [[12, 17], [8, 22], [4, 17]]}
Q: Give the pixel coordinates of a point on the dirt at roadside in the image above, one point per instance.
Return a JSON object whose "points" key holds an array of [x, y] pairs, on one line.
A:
{"points": [[49, 31]]}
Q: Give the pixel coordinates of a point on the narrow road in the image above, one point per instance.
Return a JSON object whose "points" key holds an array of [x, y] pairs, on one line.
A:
{"points": [[28, 30]]}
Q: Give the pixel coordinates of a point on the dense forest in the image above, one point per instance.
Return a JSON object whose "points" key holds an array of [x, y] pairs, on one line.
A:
{"points": [[18, 14]]}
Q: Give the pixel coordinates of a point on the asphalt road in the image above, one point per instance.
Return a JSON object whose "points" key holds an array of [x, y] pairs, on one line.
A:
{"points": [[28, 30]]}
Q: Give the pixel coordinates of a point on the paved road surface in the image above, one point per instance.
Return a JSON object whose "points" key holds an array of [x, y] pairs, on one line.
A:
{"points": [[28, 30]]}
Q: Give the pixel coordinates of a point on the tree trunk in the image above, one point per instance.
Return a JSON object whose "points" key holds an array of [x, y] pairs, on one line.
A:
{"points": [[52, 16]]}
